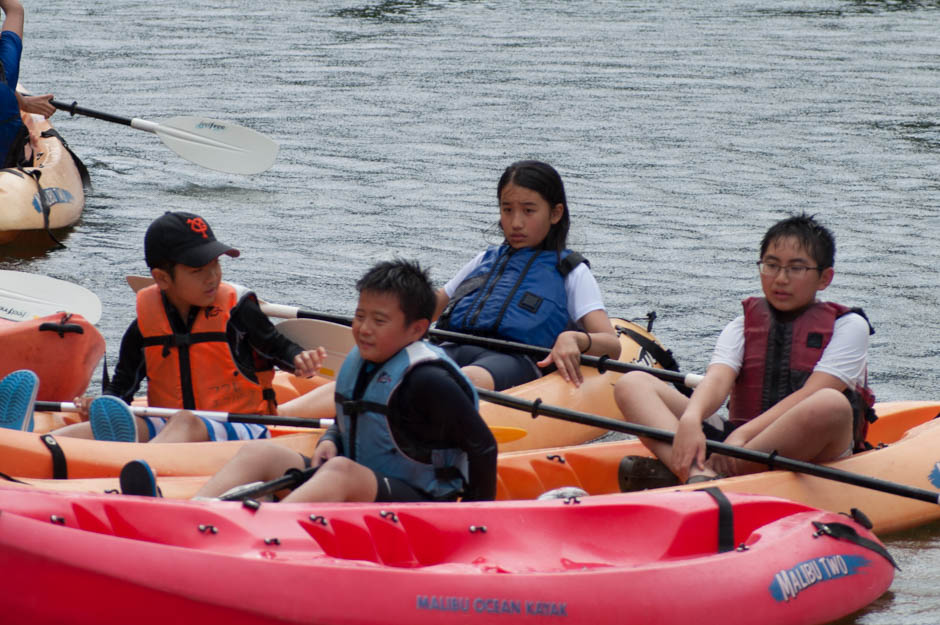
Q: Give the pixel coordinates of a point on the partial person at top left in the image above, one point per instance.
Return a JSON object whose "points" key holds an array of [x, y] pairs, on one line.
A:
{"points": [[15, 148]]}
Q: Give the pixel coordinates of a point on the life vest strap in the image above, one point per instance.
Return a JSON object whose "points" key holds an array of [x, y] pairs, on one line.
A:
{"points": [[168, 341]]}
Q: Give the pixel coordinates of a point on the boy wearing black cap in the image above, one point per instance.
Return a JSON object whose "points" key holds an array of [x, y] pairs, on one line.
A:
{"points": [[203, 344]]}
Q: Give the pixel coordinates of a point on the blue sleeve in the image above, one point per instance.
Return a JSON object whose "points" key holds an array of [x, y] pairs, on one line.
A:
{"points": [[11, 49]]}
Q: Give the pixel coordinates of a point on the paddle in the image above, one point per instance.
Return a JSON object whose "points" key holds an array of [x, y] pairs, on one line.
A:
{"points": [[292, 479], [219, 145], [600, 363], [772, 460], [27, 295], [502, 434]]}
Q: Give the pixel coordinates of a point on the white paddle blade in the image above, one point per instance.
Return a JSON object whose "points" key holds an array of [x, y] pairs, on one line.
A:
{"points": [[219, 145], [27, 296], [312, 333]]}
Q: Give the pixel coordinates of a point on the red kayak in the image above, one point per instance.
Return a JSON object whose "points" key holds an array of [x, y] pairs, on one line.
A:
{"points": [[680, 557]]}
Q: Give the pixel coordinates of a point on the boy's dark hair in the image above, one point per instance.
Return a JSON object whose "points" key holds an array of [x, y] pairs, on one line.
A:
{"points": [[814, 237], [166, 265], [546, 181], [407, 281]]}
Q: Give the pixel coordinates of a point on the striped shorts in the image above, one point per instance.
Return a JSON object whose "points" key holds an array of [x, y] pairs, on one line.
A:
{"points": [[218, 430]]}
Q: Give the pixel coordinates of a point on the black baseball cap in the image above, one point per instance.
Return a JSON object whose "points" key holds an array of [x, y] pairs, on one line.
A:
{"points": [[183, 238]]}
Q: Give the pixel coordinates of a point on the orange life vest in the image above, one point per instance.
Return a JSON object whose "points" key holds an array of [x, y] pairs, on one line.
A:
{"points": [[199, 361]]}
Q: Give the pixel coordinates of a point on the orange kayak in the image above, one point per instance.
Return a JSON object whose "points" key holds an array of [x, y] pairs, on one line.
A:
{"points": [[909, 435], [26, 455], [62, 349], [906, 439]]}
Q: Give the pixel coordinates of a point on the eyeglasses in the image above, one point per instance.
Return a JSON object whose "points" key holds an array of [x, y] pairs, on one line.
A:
{"points": [[771, 269]]}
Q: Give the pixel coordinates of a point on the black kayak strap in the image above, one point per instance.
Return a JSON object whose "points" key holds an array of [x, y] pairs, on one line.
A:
{"points": [[663, 356], [841, 531], [725, 518], [60, 469]]}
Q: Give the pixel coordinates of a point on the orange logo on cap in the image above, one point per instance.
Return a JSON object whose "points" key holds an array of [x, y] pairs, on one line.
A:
{"points": [[198, 226]]}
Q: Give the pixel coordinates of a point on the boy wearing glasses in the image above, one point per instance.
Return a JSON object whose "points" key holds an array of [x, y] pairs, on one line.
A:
{"points": [[794, 367]]}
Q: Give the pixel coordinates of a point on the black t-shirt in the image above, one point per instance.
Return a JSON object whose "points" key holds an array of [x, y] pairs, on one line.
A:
{"points": [[429, 411]]}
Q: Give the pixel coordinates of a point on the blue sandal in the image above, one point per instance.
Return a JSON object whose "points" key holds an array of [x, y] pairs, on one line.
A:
{"points": [[17, 397], [112, 420]]}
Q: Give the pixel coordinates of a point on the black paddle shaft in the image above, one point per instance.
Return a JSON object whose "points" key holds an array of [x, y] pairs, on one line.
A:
{"points": [[772, 460], [291, 479], [74, 109], [601, 363]]}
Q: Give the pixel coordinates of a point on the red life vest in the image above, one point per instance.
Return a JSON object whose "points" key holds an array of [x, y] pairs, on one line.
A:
{"points": [[779, 357], [199, 362]]}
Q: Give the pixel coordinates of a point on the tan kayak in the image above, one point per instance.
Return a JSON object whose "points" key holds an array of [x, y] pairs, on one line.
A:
{"points": [[54, 182]]}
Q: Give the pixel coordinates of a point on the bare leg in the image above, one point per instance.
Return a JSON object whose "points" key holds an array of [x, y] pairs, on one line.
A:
{"points": [[338, 479], [818, 429], [83, 430], [75, 430], [480, 377], [316, 404], [257, 461], [645, 400], [183, 427]]}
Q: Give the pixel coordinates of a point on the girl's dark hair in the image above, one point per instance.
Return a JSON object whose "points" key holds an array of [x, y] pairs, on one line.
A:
{"points": [[546, 181], [407, 281], [813, 236]]}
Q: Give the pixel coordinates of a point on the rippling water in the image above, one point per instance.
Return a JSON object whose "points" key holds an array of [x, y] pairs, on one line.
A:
{"points": [[683, 130]]}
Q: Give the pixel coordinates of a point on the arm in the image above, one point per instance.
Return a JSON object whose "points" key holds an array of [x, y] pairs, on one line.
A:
{"points": [[264, 338], [442, 301], [598, 338], [13, 16], [435, 412], [442, 296], [38, 104], [586, 305], [329, 445], [688, 446]]}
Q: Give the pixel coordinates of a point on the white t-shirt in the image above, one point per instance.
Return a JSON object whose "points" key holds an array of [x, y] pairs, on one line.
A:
{"points": [[581, 288], [845, 357]]}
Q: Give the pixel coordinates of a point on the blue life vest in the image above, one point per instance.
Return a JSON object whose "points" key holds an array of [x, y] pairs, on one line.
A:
{"points": [[516, 294], [365, 431]]}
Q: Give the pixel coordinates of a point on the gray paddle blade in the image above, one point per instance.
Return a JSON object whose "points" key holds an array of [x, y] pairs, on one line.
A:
{"points": [[219, 145]]}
